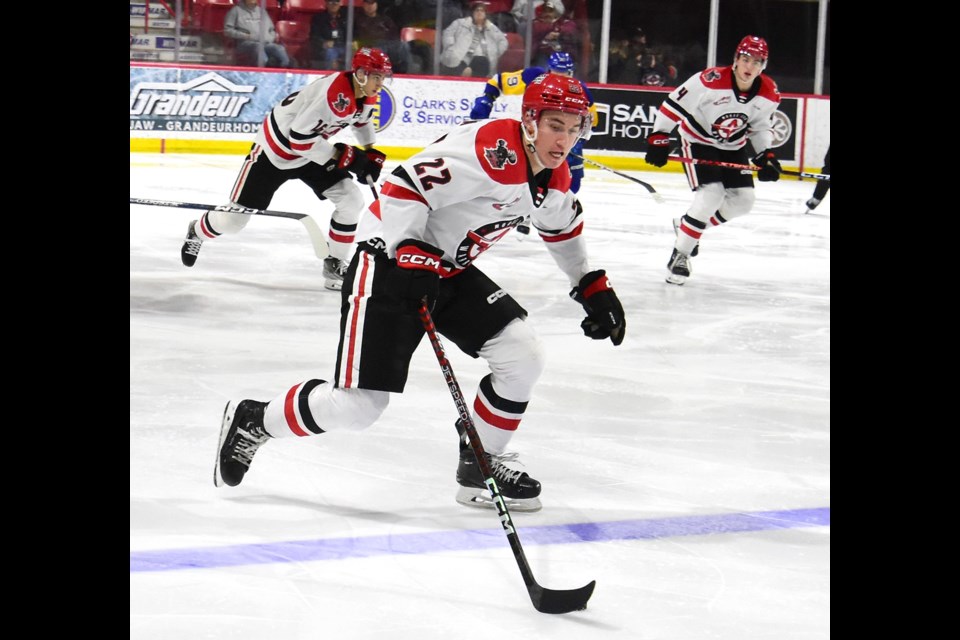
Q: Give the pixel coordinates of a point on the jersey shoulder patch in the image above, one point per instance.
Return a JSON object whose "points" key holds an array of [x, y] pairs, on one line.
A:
{"points": [[500, 151], [717, 77], [340, 96]]}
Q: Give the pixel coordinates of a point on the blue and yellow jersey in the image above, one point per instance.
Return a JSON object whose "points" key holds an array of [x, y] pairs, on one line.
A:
{"points": [[514, 83]]}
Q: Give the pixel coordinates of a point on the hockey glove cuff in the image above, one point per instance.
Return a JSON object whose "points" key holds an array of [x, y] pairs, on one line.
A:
{"points": [[658, 148], [417, 274], [769, 166], [605, 318]]}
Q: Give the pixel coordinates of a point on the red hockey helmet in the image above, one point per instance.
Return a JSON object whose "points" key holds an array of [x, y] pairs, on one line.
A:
{"points": [[553, 92], [372, 60], [755, 47]]}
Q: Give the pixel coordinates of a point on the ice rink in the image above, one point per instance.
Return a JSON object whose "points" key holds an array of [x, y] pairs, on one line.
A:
{"points": [[687, 471]]}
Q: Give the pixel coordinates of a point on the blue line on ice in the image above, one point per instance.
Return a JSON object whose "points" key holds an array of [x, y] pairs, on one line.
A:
{"points": [[414, 543]]}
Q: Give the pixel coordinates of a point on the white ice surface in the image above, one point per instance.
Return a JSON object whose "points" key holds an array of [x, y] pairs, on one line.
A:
{"points": [[713, 412]]}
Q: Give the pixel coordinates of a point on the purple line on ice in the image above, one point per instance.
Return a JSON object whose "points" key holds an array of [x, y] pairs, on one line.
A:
{"points": [[415, 543]]}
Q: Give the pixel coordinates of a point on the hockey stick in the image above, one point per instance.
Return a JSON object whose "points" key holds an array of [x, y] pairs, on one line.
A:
{"points": [[747, 167], [645, 185], [373, 188], [544, 600], [317, 238]]}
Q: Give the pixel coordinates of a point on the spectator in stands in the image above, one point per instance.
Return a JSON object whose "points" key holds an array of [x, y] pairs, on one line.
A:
{"points": [[638, 43], [499, 13], [519, 12], [669, 61], [371, 29], [651, 71], [254, 35], [620, 61], [472, 46], [423, 13], [328, 37], [552, 32]]}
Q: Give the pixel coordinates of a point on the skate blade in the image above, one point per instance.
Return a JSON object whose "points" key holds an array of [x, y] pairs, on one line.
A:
{"points": [[480, 498], [333, 285], [677, 280], [228, 413]]}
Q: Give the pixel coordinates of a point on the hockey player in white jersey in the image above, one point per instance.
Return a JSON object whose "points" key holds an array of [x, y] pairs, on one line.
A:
{"points": [[438, 212], [293, 144], [717, 111]]}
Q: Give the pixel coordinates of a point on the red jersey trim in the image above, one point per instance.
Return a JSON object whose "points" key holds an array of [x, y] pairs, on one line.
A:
{"points": [[401, 193]]}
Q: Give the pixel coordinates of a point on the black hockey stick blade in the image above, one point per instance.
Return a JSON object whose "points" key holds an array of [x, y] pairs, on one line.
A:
{"points": [[560, 601]]}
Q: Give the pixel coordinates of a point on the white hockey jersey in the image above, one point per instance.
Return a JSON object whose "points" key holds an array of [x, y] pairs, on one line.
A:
{"points": [[710, 110], [296, 131], [468, 189]]}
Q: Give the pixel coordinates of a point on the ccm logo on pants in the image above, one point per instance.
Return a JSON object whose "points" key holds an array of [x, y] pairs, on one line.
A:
{"points": [[496, 295]]}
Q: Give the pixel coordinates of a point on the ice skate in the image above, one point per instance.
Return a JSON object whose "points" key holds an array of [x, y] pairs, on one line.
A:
{"points": [[520, 492], [812, 204], [191, 246], [241, 434], [676, 232], [679, 266], [333, 272]]}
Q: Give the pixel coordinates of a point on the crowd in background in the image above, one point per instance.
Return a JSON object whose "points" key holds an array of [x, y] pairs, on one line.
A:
{"points": [[477, 38]]}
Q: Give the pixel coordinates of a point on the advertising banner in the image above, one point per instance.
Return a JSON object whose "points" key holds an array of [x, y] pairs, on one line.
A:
{"points": [[199, 102], [231, 105], [157, 18], [224, 104]]}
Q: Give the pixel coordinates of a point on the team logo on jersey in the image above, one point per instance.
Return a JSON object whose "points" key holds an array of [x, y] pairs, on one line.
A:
{"points": [[500, 206], [729, 124], [479, 240], [710, 75], [501, 156], [341, 103]]}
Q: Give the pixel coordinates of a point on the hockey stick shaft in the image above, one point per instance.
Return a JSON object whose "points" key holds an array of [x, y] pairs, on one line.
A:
{"points": [[317, 239], [645, 185], [747, 167], [373, 188], [544, 600]]}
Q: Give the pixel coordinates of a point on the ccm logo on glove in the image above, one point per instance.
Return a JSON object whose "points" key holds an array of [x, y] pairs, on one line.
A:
{"points": [[415, 260]]}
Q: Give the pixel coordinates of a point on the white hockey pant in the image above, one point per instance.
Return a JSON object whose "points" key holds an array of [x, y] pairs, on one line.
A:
{"points": [[710, 198]]}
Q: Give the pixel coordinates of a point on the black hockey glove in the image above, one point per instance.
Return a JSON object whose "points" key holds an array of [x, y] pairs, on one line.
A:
{"points": [[359, 162], [416, 274], [658, 148], [769, 166], [376, 158], [605, 317]]}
